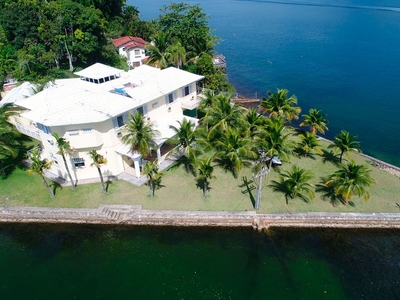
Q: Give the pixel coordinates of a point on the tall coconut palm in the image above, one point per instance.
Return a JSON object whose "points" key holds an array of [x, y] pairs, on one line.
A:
{"points": [[184, 139], [309, 143], [205, 173], [344, 142], [153, 175], [275, 139], [97, 161], [159, 51], [177, 54], [316, 121], [64, 148], [233, 151], [278, 104], [8, 144], [351, 180], [39, 166], [295, 183], [222, 114], [139, 135], [253, 121]]}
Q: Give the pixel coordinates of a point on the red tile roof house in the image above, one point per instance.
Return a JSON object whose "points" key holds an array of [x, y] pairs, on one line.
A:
{"points": [[132, 48]]}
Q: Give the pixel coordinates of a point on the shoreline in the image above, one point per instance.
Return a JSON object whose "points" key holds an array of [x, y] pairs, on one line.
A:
{"points": [[135, 215]]}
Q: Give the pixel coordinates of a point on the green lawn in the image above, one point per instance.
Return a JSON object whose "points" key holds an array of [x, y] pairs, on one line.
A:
{"points": [[180, 192]]}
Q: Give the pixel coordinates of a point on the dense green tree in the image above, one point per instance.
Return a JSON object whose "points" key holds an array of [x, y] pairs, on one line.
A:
{"points": [[295, 183], [153, 175], [189, 24], [316, 121], [64, 148], [344, 143], [278, 104], [97, 161], [253, 122], [139, 135], [351, 180], [39, 166]]}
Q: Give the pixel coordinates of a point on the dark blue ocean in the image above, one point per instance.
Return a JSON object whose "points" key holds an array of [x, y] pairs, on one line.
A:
{"points": [[339, 56]]}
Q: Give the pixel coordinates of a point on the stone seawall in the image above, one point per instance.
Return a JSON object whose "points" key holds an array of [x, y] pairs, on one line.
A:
{"points": [[135, 215]]}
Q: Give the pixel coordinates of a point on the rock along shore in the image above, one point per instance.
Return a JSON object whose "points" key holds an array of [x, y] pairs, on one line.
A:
{"points": [[135, 215]]}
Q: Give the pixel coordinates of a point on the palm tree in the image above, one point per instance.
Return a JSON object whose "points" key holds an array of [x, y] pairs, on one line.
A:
{"points": [[39, 166], [153, 175], [278, 104], [222, 114], [8, 144], [159, 51], [350, 180], [98, 160], [64, 148], [316, 121], [205, 173], [253, 121], [275, 139], [308, 143], [233, 151], [295, 183], [184, 139], [177, 54], [344, 142], [139, 135]]}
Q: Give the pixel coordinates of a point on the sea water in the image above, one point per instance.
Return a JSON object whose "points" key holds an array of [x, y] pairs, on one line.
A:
{"points": [[339, 56], [114, 262]]}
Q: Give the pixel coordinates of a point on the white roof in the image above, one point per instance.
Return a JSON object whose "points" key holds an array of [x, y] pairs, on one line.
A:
{"points": [[98, 71], [75, 101], [20, 92]]}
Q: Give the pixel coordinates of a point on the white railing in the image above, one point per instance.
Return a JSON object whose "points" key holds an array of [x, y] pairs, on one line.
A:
{"points": [[28, 130]]}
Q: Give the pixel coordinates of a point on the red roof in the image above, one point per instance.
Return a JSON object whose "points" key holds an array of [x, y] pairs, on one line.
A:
{"points": [[129, 42]]}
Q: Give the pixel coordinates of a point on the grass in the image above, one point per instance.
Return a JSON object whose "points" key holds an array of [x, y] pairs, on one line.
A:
{"points": [[180, 191]]}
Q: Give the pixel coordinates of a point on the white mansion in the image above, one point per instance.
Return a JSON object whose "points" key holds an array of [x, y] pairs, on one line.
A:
{"points": [[90, 112]]}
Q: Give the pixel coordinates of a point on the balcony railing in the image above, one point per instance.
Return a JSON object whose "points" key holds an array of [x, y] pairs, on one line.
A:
{"points": [[30, 130], [191, 103]]}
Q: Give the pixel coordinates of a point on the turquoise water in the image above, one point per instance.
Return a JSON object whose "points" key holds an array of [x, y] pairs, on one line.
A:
{"points": [[93, 262], [340, 56]]}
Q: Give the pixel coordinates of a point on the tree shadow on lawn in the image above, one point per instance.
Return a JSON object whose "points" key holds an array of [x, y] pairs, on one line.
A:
{"points": [[329, 156], [282, 187], [300, 153], [200, 185], [55, 186], [328, 194], [249, 187], [181, 162]]}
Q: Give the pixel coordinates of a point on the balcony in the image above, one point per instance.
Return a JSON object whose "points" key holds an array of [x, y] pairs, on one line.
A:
{"points": [[29, 130], [190, 104]]}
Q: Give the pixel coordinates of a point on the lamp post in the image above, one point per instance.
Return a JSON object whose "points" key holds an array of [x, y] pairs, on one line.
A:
{"points": [[263, 170]]}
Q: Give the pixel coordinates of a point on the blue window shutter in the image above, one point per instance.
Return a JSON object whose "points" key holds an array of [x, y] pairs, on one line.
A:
{"points": [[145, 109], [115, 123], [125, 117], [166, 99]]}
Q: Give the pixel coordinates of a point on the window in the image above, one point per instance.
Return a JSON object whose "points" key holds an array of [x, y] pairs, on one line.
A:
{"points": [[53, 158], [136, 64], [137, 52], [186, 91], [170, 98], [120, 120], [43, 128], [73, 132], [78, 162], [86, 130]]}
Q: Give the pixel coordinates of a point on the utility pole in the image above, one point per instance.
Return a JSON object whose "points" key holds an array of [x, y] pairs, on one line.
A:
{"points": [[263, 170]]}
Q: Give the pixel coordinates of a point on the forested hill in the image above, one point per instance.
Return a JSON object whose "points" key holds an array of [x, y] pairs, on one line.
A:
{"points": [[41, 40]]}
